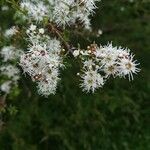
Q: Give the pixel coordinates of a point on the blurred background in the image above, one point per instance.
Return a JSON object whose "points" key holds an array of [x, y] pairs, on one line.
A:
{"points": [[116, 117]]}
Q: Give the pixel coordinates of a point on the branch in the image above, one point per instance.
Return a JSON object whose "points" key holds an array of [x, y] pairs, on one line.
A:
{"points": [[66, 45]]}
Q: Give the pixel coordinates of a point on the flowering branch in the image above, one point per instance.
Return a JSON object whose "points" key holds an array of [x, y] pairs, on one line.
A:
{"points": [[43, 57]]}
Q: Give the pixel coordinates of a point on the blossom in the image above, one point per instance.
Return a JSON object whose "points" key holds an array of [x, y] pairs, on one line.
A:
{"points": [[37, 10], [42, 58], [7, 53], [61, 12], [13, 75], [111, 69], [91, 80], [103, 62], [99, 33], [6, 86], [88, 63], [10, 53], [10, 32], [76, 53], [11, 72], [49, 85], [42, 61], [32, 27], [128, 67], [41, 31], [5, 8], [43, 69]]}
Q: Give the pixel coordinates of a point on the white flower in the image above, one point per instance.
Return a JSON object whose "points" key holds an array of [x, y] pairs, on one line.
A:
{"points": [[41, 31], [88, 63], [10, 53], [37, 10], [128, 67], [106, 60], [99, 33], [49, 85], [11, 72], [54, 46], [43, 61], [5, 8], [76, 53], [91, 80], [7, 53], [6, 86], [10, 32], [110, 69], [32, 27], [62, 12]]}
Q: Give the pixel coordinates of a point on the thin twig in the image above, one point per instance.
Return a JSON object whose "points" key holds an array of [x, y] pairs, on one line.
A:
{"points": [[66, 45]]}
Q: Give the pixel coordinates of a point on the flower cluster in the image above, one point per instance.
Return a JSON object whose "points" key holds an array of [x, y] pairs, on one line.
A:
{"points": [[9, 70], [45, 47], [99, 63], [61, 12], [13, 75], [42, 60], [10, 53], [10, 32]]}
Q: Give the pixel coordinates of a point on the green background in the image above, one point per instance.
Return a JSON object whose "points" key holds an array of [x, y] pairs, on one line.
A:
{"points": [[116, 117]]}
